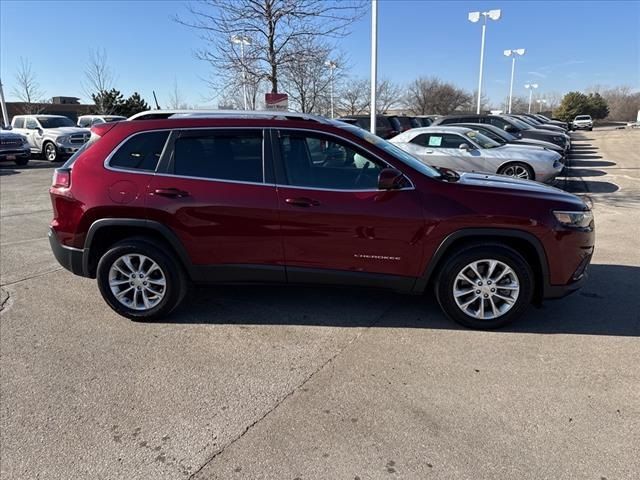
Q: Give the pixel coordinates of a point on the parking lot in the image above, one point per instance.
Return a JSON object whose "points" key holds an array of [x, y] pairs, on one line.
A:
{"points": [[322, 383]]}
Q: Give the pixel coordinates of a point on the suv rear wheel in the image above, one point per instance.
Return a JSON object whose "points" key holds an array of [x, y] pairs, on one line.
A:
{"points": [[139, 281], [485, 286]]}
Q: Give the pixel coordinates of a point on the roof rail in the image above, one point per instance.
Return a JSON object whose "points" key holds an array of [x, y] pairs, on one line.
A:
{"points": [[270, 114]]}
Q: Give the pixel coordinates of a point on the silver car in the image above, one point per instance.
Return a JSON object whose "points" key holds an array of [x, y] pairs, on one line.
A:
{"points": [[466, 150], [53, 136]]}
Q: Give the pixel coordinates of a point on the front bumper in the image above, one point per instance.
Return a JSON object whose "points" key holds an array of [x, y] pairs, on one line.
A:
{"points": [[552, 292], [67, 148], [582, 126], [70, 258], [9, 155]]}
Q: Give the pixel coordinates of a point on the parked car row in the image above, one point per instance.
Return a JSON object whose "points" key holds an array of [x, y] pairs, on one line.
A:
{"points": [[388, 126]]}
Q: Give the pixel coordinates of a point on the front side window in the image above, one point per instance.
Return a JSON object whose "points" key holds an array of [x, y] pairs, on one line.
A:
{"points": [[140, 152], [84, 122], [322, 162], [439, 140], [30, 123], [56, 122], [234, 156]]}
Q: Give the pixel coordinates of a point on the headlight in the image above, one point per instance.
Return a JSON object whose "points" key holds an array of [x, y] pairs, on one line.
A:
{"points": [[62, 140], [25, 141], [581, 219], [558, 139]]}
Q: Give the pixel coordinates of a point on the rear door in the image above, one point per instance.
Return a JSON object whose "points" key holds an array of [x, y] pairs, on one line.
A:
{"points": [[334, 219], [216, 193]]}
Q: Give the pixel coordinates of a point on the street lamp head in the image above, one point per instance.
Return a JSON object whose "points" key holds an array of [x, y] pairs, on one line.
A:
{"points": [[508, 53], [240, 39], [494, 14], [531, 85], [520, 51], [474, 17]]}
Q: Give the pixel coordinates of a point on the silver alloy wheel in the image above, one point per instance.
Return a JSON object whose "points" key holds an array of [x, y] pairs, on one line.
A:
{"points": [[137, 281], [486, 289], [50, 152], [517, 171]]}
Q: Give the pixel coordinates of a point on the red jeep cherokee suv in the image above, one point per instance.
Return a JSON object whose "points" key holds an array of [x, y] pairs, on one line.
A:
{"points": [[166, 198]]}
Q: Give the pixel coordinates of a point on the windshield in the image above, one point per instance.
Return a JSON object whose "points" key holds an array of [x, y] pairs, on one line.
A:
{"points": [[55, 122], [583, 117], [520, 124], [482, 140], [391, 149]]}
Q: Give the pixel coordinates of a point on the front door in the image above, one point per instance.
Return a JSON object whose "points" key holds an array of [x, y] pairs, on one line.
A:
{"points": [[334, 219], [213, 195]]}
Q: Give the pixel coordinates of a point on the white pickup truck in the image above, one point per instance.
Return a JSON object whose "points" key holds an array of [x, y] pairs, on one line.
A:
{"points": [[582, 122]]}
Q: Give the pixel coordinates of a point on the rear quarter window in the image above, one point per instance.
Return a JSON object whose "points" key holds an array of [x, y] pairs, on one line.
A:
{"points": [[140, 152]]}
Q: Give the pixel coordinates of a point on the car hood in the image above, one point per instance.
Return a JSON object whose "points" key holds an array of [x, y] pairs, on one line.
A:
{"points": [[518, 186], [522, 142], [529, 153], [10, 135], [66, 130]]}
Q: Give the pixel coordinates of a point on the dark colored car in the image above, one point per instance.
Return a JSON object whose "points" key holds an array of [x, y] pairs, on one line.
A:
{"points": [[511, 125], [549, 121], [148, 205], [535, 123], [384, 127], [499, 135], [14, 148], [401, 123]]}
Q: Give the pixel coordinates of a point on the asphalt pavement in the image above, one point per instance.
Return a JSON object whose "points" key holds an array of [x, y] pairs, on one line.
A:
{"points": [[321, 383]]}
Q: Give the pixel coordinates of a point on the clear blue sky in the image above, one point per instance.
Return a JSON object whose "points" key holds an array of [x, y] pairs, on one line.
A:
{"points": [[570, 44]]}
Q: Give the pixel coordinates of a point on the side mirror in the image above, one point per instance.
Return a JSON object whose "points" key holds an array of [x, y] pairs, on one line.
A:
{"points": [[390, 179], [464, 146], [510, 129]]}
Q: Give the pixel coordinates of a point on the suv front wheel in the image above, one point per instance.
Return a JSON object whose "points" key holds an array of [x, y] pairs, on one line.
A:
{"points": [[485, 286], [139, 281]]}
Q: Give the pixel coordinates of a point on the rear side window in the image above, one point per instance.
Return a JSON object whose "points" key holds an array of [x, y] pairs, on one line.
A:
{"points": [[18, 123], [140, 152], [235, 156]]}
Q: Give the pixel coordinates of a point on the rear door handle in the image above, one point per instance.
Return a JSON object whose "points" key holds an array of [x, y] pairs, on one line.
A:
{"points": [[302, 202], [170, 192]]}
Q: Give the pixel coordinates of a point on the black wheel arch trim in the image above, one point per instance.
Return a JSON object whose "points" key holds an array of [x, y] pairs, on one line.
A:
{"points": [[479, 233], [166, 232]]}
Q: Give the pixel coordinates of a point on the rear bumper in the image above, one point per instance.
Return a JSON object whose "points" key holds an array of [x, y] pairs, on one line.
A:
{"points": [[7, 155], [70, 258]]}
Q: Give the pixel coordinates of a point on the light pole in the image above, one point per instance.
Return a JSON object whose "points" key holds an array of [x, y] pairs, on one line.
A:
{"points": [[513, 54], [540, 102], [374, 64], [474, 17], [3, 105], [530, 87], [242, 40], [332, 66]]}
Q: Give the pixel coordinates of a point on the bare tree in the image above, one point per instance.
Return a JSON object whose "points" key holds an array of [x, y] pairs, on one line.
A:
{"points": [[623, 102], [307, 78], [98, 79], [388, 95], [354, 97], [176, 101], [434, 96], [27, 88], [271, 26]]}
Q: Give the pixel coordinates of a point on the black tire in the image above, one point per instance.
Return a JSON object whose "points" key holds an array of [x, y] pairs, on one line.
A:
{"points": [[590, 129], [444, 287], [517, 165], [21, 162], [175, 278], [50, 152]]}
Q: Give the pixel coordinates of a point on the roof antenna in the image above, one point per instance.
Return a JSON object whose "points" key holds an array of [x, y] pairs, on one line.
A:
{"points": [[156, 99]]}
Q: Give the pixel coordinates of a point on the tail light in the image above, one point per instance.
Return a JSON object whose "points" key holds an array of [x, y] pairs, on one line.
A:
{"points": [[61, 178]]}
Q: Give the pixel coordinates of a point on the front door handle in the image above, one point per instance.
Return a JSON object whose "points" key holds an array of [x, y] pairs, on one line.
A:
{"points": [[302, 202], [428, 151], [170, 192]]}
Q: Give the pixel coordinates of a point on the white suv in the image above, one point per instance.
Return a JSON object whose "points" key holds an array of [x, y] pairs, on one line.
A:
{"points": [[53, 136], [583, 122]]}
